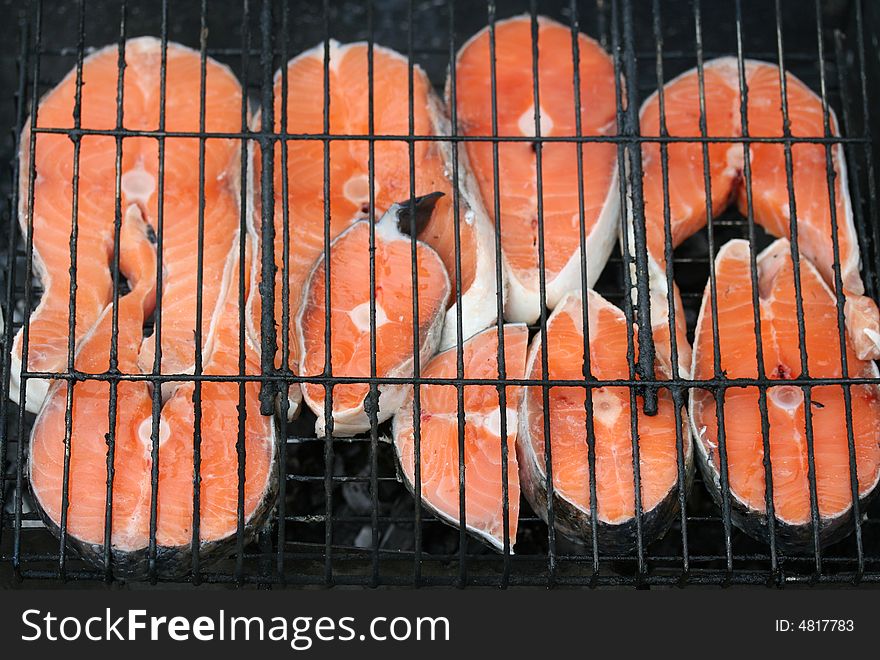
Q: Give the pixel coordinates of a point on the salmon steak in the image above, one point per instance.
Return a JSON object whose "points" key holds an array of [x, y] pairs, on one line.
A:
{"points": [[125, 522], [437, 428], [46, 213], [736, 409], [95, 440], [229, 410], [613, 417], [404, 313], [523, 201], [815, 207], [345, 197]]}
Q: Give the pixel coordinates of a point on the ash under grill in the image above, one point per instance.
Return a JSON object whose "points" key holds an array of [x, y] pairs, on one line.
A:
{"points": [[343, 515]]}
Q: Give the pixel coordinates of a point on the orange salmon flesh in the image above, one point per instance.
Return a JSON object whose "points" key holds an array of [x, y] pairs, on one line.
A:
{"points": [[611, 421], [400, 331], [515, 193], [108, 485], [303, 199], [772, 204], [438, 430], [788, 416], [397, 246]]}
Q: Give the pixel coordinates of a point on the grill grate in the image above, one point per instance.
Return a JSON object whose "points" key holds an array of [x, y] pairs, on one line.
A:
{"points": [[342, 516]]}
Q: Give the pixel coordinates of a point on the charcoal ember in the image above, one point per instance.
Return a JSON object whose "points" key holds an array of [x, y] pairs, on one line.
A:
{"points": [[356, 494], [364, 538], [400, 536]]}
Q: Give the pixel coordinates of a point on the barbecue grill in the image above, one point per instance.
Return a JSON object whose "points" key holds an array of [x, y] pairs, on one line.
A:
{"points": [[343, 517]]}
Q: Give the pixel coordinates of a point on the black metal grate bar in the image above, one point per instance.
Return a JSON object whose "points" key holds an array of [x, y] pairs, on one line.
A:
{"points": [[630, 310], [284, 391], [240, 448], [838, 289], [342, 516], [870, 290], [114, 339], [582, 244], [157, 359], [756, 314], [6, 359], [542, 297], [417, 394], [389, 380], [798, 293], [677, 394], [200, 274], [499, 297], [268, 340], [459, 358], [374, 390], [403, 137], [28, 299], [869, 152], [713, 289], [328, 305], [71, 310], [5, 385]]}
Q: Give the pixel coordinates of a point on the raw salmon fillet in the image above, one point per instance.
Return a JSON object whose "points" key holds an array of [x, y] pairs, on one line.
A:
{"points": [[132, 463], [91, 420], [94, 474], [302, 191], [53, 199], [349, 317], [686, 201], [517, 184], [219, 428], [786, 413], [439, 436], [612, 418]]}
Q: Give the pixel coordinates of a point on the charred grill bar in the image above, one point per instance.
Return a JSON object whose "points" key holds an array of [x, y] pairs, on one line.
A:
{"points": [[342, 515]]}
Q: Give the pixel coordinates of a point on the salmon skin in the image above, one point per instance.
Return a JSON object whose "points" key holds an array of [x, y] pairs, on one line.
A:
{"points": [[51, 206], [83, 461], [400, 335], [662, 448], [771, 201], [302, 191], [563, 201], [438, 436], [786, 404]]}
